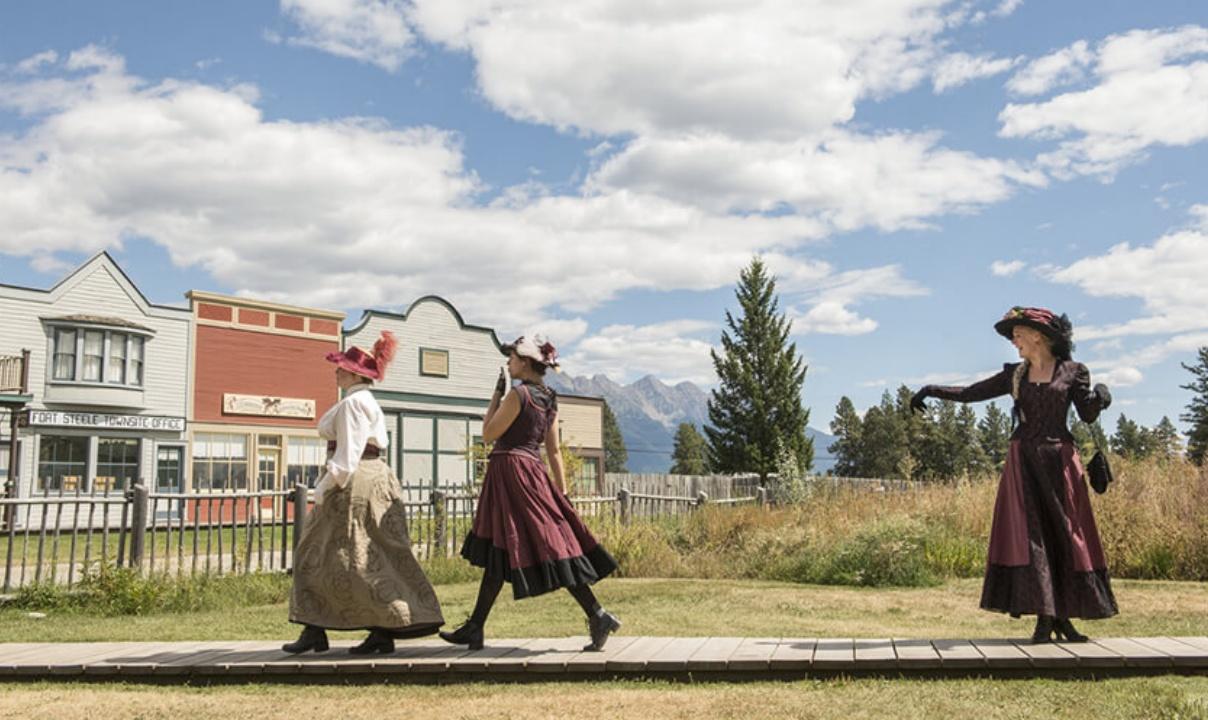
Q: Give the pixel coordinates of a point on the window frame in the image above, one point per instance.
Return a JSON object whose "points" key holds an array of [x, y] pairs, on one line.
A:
{"points": [[133, 343]]}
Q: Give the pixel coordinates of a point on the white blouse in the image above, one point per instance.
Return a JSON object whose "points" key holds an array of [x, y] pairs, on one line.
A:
{"points": [[354, 422]]}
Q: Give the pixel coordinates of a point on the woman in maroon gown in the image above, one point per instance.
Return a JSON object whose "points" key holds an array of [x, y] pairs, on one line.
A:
{"points": [[526, 531], [1045, 556]]}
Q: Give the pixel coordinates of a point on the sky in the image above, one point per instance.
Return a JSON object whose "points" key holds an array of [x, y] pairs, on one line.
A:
{"points": [[600, 171]]}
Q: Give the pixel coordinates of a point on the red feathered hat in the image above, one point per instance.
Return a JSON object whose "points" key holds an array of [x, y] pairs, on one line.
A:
{"points": [[372, 366]]}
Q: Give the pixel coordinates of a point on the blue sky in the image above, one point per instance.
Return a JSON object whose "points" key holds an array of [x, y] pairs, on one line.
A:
{"points": [[601, 170]]}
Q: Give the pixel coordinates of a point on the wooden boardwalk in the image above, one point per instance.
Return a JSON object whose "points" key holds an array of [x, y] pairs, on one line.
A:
{"points": [[534, 660]]}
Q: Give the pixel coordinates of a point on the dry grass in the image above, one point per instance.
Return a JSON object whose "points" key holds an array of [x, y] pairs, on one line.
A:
{"points": [[1150, 698]]}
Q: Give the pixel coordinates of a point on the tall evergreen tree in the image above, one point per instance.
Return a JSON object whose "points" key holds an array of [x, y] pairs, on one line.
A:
{"points": [[972, 460], [848, 428], [994, 436], [1089, 437], [691, 454], [884, 451], [1129, 438], [755, 413], [1165, 440], [1197, 409], [615, 454]]}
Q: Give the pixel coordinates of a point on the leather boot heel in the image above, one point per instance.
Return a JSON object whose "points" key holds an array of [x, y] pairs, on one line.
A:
{"points": [[312, 638], [1065, 630], [468, 634], [1044, 630]]}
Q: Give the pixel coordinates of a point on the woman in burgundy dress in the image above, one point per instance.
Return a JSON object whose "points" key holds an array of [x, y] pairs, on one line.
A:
{"points": [[526, 531], [1045, 556]]}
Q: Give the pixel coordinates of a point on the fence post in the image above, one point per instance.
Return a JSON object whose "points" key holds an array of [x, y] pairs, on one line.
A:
{"points": [[439, 521], [299, 498], [702, 497], [626, 504], [138, 524], [762, 495]]}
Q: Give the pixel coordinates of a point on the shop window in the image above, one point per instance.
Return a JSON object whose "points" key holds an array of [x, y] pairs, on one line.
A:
{"points": [[62, 463], [305, 457], [116, 464], [219, 462]]}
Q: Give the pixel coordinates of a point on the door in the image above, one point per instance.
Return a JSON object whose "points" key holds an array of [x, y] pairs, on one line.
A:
{"points": [[169, 479], [268, 463]]}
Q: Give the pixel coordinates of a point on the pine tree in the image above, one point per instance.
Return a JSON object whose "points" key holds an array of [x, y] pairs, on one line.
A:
{"points": [[615, 454], [884, 451], [972, 460], [1197, 410], [994, 436], [755, 413], [1129, 440], [1165, 439], [1089, 437], [848, 431], [691, 454]]}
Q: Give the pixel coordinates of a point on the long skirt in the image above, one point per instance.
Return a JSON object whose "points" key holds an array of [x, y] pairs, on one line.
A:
{"points": [[1045, 554], [527, 533], [353, 567]]}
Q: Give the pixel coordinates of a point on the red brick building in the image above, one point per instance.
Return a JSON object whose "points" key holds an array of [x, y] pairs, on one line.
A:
{"points": [[260, 384]]}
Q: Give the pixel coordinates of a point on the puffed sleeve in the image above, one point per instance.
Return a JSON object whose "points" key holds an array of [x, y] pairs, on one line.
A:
{"points": [[1086, 401], [991, 387], [353, 429]]}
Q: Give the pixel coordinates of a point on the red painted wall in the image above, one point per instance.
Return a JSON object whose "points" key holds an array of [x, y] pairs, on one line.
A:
{"points": [[256, 363]]}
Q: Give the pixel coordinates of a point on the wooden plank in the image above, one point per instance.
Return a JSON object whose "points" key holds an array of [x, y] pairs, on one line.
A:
{"points": [[875, 654], [753, 654], [1197, 642], [133, 658], [1181, 654], [552, 655], [958, 654], [514, 661], [425, 656], [74, 659], [1135, 654], [1002, 654], [1047, 655], [590, 661], [674, 656], [1092, 654], [714, 654], [793, 654], [835, 654], [478, 660], [916, 654], [637, 654]]}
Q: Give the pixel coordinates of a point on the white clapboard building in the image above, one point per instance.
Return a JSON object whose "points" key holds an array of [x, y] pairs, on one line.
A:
{"points": [[108, 375]]}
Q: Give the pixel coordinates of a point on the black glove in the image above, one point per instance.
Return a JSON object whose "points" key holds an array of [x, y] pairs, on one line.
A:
{"points": [[916, 402], [501, 385], [1105, 396]]}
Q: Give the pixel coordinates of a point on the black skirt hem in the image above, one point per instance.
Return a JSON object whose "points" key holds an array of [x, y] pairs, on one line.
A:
{"points": [[1018, 591], [544, 577]]}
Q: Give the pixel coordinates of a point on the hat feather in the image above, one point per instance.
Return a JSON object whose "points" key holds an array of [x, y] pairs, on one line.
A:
{"points": [[384, 349]]}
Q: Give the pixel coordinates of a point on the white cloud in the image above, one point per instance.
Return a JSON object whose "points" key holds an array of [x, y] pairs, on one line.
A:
{"points": [[826, 297], [832, 318], [1063, 67], [1004, 268], [673, 351], [846, 180], [1200, 215], [33, 63], [1122, 376], [1006, 7], [370, 31], [1151, 88], [959, 68]]}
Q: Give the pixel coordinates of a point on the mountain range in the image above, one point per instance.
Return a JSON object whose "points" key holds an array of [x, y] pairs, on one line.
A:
{"points": [[649, 411]]}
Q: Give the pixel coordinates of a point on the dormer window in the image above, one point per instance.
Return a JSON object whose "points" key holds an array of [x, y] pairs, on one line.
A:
{"points": [[97, 350]]}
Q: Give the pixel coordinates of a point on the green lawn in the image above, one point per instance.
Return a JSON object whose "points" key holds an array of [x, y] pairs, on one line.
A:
{"points": [[680, 607]]}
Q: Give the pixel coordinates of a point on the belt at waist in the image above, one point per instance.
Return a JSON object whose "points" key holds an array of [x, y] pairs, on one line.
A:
{"points": [[371, 452]]}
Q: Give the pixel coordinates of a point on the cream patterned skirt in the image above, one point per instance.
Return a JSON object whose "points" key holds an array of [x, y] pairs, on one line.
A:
{"points": [[353, 567]]}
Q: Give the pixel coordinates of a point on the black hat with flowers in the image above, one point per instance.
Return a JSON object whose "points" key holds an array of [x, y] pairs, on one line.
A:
{"points": [[1056, 328]]}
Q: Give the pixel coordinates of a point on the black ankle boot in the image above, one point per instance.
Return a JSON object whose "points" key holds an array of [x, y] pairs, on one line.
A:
{"points": [[468, 634], [601, 625], [312, 638], [1065, 631], [377, 642], [1044, 630]]}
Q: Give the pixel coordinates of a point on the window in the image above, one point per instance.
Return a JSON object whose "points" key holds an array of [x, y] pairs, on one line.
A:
{"points": [[588, 479], [98, 356], [116, 373], [168, 470], [94, 355], [136, 360], [305, 460], [219, 462], [116, 464], [62, 463], [65, 354]]}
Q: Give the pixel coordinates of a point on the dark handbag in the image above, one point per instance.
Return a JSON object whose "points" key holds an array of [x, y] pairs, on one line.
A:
{"points": [[1099, 472]]}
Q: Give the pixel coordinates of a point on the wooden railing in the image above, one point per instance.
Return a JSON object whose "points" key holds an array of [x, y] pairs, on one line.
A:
{"points": [[14, 373]]}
